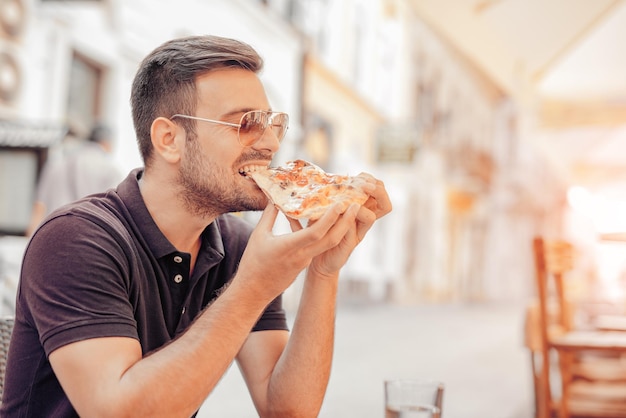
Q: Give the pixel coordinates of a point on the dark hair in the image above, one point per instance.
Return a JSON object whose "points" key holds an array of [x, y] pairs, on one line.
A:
{"points": [[165, 82]]}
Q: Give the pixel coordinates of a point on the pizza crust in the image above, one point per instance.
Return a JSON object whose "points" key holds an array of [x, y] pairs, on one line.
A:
{"points": [[302, 190]]}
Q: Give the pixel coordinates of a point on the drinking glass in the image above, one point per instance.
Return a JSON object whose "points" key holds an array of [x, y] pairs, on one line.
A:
{"points": [[412, 398]]}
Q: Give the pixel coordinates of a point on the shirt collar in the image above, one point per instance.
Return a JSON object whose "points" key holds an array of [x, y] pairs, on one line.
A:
{"points": [[159, 245]]}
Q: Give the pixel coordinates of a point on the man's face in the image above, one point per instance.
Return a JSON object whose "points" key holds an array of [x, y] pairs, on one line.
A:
{"points": [[210, 170]]}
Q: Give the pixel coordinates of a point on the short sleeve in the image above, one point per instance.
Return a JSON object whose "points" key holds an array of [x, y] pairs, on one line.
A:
{"points": [[273, 318], [73, 284]]}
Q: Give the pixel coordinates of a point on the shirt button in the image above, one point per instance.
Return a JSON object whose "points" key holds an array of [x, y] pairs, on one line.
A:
{"points": [[178, 259], [184, 309], [178, 278]]}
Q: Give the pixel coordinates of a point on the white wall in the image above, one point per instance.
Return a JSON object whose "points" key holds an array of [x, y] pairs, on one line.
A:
{"points": [[118, 34]]}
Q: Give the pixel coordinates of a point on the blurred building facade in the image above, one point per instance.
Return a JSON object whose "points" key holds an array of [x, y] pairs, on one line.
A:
{"points": [[468, 188], [368, 86]]}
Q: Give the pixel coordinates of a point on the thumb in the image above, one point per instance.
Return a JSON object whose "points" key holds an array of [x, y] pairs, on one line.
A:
{"points": [[268, 218]]}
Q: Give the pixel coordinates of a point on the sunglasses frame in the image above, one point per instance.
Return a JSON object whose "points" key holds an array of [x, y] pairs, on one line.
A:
{"points": [[238, 125]]}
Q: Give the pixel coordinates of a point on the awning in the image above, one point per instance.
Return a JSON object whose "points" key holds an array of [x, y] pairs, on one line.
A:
{"points": [[26, 134]]}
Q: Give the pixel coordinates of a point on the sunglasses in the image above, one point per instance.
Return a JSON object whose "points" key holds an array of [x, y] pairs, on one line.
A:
{"points": [[252, 125]]}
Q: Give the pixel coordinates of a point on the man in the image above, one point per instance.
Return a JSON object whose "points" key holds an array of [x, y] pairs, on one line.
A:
{"points": [[135, 302]]}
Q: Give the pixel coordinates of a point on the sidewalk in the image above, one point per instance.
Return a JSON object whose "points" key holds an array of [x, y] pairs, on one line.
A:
{"points": [[475, 349]]}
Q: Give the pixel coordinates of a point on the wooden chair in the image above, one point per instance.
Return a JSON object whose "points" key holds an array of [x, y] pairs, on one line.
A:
{"points": [[592, 375], [6, 328]]}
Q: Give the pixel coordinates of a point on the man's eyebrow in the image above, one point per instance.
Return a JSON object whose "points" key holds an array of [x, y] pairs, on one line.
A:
{"points": [[243, 110]]}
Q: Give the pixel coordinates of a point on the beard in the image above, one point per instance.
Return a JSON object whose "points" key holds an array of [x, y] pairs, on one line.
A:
{"points": [[208, 189]]}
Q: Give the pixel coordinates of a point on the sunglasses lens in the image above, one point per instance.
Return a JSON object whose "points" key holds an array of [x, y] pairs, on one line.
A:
{"points": [[279, 123], [254, 123], [252, 127]]}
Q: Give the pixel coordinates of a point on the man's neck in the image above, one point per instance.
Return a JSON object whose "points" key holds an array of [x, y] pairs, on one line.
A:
{"points": [[182, 228]]}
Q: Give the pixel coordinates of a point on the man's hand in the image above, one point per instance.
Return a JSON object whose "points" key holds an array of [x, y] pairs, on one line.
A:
{"points": [[350, 228], [272, 262], [378, 202]]}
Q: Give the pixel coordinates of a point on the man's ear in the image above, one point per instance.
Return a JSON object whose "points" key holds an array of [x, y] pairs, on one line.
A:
{"points": [[163, 133]]}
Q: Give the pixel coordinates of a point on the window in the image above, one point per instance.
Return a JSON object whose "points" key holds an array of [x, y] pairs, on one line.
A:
{"points": [[18, 169], [85, 89], [23, 150]]}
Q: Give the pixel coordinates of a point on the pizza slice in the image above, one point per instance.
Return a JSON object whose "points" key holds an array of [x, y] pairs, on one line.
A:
{"points": [[302, 190]]}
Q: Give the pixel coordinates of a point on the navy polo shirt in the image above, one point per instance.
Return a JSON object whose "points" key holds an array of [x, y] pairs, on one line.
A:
{"points": [[101, 267]]}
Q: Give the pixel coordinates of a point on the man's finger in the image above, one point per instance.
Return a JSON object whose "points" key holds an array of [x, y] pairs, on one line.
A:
{"points": [[268, 217], [294, 224]]}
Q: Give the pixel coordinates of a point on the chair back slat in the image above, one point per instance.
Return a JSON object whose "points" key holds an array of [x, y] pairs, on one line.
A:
{"points": [[543, 392], [6, 329]]}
